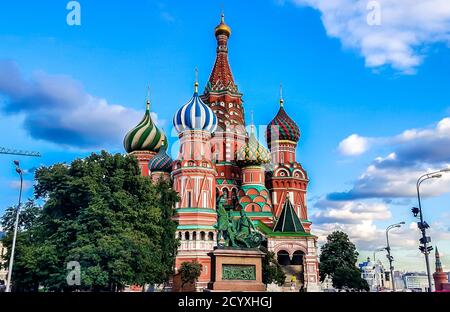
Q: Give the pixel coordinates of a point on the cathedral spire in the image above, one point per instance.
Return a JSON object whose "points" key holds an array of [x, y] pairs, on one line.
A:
{"points": [[221, 93], [221, 78], [438, 261]]}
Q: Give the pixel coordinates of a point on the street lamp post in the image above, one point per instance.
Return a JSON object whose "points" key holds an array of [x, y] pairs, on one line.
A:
{"points": [[375, 252], [425, 249], [388, 249], [16, 225]]}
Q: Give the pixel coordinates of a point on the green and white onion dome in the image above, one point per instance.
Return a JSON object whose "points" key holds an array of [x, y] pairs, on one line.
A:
{"points": [[145, 136]]}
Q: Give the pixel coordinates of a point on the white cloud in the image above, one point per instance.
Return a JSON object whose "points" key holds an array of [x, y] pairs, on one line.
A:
{"points": [[356, 218], [350, 212], [407, 26], [353, 145], [415, 152], [367, 236], [57, 109]]}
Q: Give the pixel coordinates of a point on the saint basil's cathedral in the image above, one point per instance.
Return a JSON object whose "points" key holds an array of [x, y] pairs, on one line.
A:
{"points": [[218, 157]]}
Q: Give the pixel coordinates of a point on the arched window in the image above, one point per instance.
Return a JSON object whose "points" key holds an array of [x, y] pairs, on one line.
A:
{"points": [[225, 193], [189, 199], [186, 235], [283, 257], [234, 198], [211, 236], [202, 235], [297, 258], [194, 236]]}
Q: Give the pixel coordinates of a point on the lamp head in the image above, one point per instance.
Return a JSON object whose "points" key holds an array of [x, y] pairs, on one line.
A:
{"points": [[403, 222], [436, 175]]}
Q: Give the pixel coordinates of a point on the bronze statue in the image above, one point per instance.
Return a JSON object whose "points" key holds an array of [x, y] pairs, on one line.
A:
{"points": [[236, 233]]}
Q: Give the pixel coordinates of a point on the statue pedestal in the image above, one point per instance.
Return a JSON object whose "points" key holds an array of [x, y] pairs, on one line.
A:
{"points": [[236, 269]]}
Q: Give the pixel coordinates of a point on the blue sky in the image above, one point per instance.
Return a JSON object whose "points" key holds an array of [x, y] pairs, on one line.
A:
{"points": [[371, 102]]}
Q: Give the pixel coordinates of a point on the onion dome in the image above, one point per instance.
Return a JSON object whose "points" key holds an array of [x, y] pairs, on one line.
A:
{"points": [[195, 115], [282, 127], [145, 136], [222, 28], [162, 162], [253, 153]]}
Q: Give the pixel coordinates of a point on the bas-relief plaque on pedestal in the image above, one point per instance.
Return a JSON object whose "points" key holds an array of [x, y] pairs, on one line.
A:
{"points": [[236, 269]]}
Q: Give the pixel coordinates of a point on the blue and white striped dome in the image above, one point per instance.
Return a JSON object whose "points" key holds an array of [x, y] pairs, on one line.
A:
{"points": [[195, 115]]}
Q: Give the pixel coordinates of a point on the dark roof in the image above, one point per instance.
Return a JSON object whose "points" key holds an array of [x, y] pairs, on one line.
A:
{"points": [[288, 220]]}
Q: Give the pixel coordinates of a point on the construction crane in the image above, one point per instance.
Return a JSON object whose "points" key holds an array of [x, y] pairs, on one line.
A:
{"points": [[8, 151]]}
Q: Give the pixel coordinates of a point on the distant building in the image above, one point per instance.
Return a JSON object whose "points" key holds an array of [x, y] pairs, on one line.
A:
{"points": [[416, 281], [441, 279], [399, 282], [3, 272], [374, 274]]}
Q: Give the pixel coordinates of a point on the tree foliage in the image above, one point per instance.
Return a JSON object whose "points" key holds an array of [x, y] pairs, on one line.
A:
{"points": [[338, 260], [349, 278], [190, 272], [272, 271], [100, 212]]}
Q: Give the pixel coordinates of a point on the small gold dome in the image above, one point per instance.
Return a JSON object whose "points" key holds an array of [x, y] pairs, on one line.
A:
{"points": [[222, 28]]}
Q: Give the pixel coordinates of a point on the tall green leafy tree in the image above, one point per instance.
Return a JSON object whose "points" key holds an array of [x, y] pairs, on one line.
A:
{"points": [[338, 259], [100, 212]]}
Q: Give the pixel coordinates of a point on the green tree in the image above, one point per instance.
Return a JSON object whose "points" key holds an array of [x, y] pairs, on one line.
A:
{"points": [[190, 272], [349, 278], [338, 259], [100, 212], [272, 271], [28, 215]]}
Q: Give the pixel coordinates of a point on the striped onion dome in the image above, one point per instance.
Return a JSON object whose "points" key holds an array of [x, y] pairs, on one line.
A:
{"points": [[145, 136], [282, 127], [195, 115], [162, 162], [253, 153]]}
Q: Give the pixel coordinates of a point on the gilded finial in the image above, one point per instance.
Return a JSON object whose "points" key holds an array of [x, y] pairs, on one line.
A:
{"points": [[148, 97], [196, 80], [222, 28], [252, 123], [281, 95]]}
